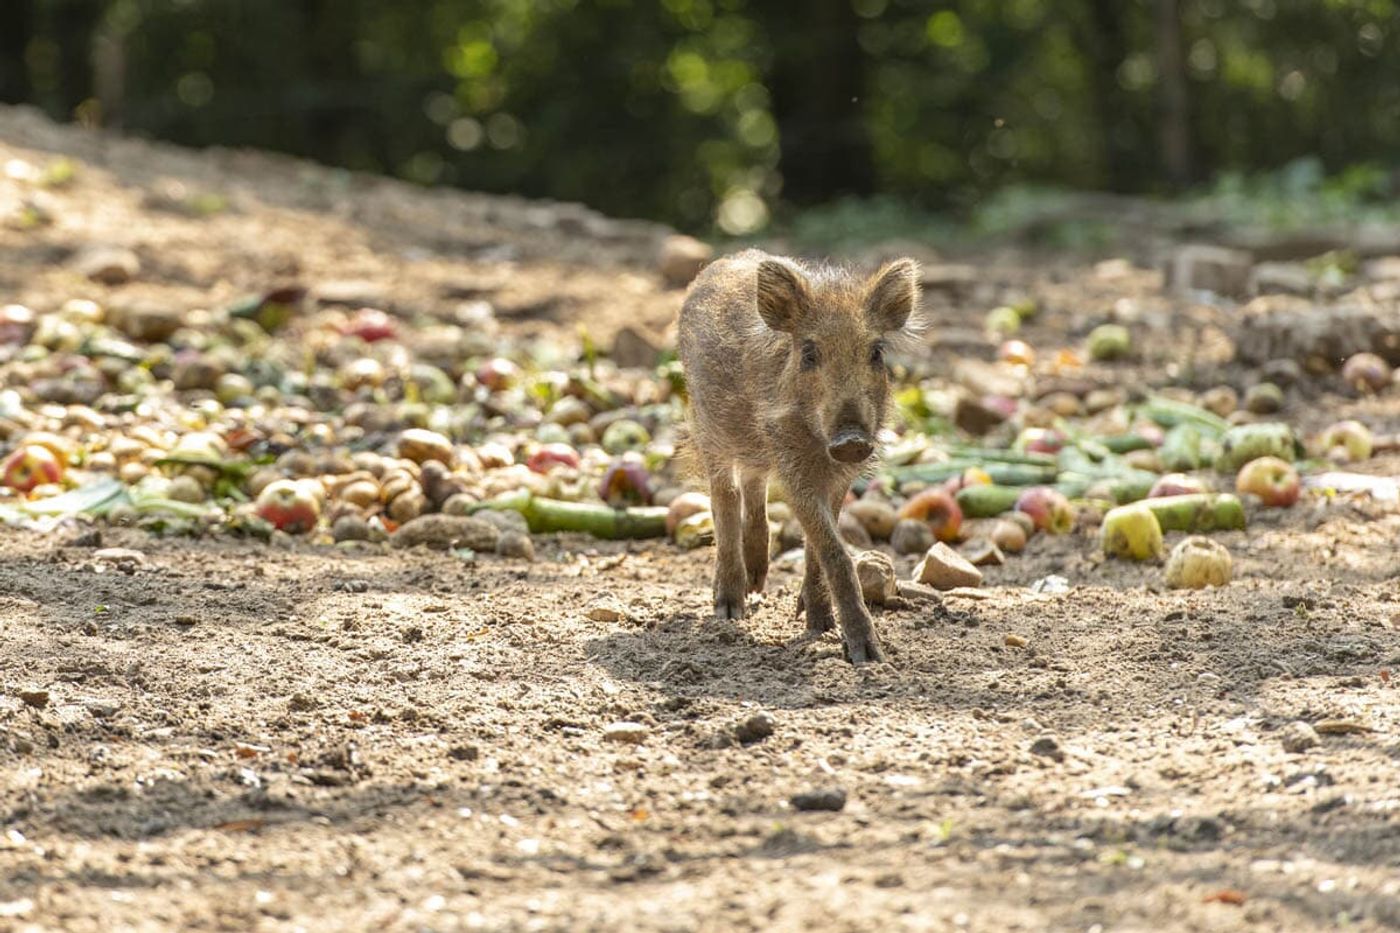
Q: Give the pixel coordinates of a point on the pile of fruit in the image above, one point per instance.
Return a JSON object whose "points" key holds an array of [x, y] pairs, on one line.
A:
{"points": [[280, 415]]}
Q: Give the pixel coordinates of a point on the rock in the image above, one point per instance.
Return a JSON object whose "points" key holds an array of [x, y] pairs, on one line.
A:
{"points": [[36, 698], [1047, 746], [350, 528], [983, 553], [633, 349], [681, 259], [828, 799], [875, 571], [605, 612], [119, 555], [1298, 737], [852, 531], [1282, 327], [109, 265], [186, 489], [198, 372], [444, 532], [756, 728], [503, 519], [350, 293], [1014, 641], [944, 569], [1289, 278], [421, 445], [515, 544], [911, 536], [626, 733], [1198, 267], [102, 709], [877, 517], [147, 323]]}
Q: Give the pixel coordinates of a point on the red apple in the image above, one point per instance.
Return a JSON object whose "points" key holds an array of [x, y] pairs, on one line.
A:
{"points": [[497, 374], [1177, 484], [1017, 352], [549, 456], [1346, 442], [29, 466], [1273, 480], [1040, 441], [684, 506], [288, 505], [938, 509], [370, 325], [1048, 509], [625, 483]]}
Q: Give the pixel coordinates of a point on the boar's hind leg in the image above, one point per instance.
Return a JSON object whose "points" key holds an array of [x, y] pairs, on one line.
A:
{"points": [[731, 583], [754, 489], [814, 599], [858, 631]]}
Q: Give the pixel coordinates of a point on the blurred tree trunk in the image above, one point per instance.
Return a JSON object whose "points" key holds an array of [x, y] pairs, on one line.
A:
{"points": [[16, 28], [1174, 128], [817, 83], [1105, 46], [71, 25]]}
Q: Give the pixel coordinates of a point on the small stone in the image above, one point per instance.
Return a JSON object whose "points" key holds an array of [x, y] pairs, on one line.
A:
{"points": [[350, 528], [852, 531], [633, 349], [983, 553], [102, 709], [1014, 641], [944, 569], [1341, 727], [828, 799], [911, 536], [681, 259], [1047, 746], [464, 753], [147, 323], [515, 544], [877, 517], [1199, 267], [421, 445], [1298, 737], [875, 570], [627, 733], [445, 532], [36, 698], [186, 489], [302, 703], [606, 613], [756, 728], [975, 417], [119, 555], [109, 265]]}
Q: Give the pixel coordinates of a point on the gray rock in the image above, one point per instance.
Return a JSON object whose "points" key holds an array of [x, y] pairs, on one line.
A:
{"points": [[829, 799], [1199, 267]]}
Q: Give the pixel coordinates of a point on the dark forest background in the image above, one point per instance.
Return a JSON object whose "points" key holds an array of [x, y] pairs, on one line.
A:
{"points": [[730, 113]]}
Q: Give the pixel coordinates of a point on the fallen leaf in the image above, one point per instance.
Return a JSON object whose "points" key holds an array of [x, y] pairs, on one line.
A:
{"points": [[242, 826], [1226, 896]]}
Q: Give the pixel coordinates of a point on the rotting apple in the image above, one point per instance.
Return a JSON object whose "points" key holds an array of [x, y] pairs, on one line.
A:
{"points": [[938, 509], [549, 456], [1346, 442], [289, 505], [1273, 480], [1177, 484], [1048, 509], [29, 466]]}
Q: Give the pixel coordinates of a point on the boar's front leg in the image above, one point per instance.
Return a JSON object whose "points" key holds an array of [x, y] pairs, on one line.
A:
{"points": [[838, 572], [731, 582], [754, 489]]}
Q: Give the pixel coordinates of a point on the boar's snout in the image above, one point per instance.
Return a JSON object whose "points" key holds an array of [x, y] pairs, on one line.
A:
{"points": [[850, 445]]}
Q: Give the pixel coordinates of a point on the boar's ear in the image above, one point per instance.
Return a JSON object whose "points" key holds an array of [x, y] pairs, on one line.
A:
{"points": [[892, 294], [782, 295]]}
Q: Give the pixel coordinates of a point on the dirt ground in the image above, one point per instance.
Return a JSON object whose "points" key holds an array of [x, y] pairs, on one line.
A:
{"points": [[224, 735]]}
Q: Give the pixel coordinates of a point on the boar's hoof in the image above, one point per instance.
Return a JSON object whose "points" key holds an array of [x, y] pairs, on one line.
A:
{"points": [[757, 578], [729, 607], [864, 649]]}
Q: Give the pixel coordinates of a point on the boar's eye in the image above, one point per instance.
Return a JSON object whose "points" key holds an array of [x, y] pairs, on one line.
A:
{"points": [[877, 354], [809, 356]]}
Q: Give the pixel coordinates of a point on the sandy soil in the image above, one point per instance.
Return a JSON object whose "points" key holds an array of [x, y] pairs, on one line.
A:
{"points": [[217, 735]]}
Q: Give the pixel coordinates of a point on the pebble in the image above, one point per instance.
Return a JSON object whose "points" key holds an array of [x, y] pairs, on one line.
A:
{"points": [[910, 536], [1298, 737], [102, 709], [756, 728], [515, 543], [35, 698], [445, 532], [119, 555], [944, 569], [875, 570], [1014, 641], [1047, 746], [628, 733], [829, 799], [681, 259], [109, 265], [983, 553], [350, 528], [605, 613]]}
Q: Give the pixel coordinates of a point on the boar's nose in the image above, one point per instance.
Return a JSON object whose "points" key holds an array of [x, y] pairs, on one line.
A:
{"points": [[850, 445]]}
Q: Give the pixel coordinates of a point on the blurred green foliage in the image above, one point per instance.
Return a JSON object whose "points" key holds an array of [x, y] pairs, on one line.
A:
{"points": [[725, 113]]}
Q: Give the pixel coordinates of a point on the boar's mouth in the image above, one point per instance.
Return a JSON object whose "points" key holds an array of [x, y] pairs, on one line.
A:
{"points": [[850, 445]]}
